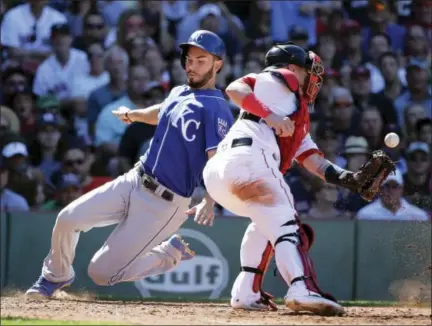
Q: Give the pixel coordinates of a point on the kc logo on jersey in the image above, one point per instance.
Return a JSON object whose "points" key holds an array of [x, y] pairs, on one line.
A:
{"points": [[187, 126], [222, 127]]}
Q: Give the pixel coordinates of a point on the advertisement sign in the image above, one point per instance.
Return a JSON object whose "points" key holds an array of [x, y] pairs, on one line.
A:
{"points": [[207, 274]]}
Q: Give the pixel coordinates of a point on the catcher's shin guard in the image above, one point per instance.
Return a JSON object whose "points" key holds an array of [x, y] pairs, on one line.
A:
{"points": [[266, 298], [303, 240]]}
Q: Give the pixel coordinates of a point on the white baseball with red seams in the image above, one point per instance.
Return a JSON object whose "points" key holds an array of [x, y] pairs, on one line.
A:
{"points": [[260, 161]]}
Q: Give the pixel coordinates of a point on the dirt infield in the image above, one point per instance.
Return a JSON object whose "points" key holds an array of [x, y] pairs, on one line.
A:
{"points": [[160, 313]]}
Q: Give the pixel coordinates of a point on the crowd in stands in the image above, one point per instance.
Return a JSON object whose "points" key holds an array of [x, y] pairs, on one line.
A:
{"points": [[67, 64]]}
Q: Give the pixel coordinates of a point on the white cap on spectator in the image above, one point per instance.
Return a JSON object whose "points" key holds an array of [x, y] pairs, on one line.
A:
{"points": [[418, 146], [14, 148], [396, 177], [209, 9]]}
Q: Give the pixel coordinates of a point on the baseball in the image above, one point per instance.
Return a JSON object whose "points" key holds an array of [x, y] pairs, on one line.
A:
{"points": [[391, 140]]}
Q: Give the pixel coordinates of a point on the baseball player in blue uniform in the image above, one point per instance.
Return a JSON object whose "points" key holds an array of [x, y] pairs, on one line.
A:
{"points": [[151, 201]]}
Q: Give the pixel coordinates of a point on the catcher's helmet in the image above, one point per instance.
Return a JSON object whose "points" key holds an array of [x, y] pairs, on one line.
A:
{"points": [[205, 40], [281, 55]]}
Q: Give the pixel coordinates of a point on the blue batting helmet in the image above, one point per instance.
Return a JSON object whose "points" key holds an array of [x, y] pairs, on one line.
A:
{"points": [[205, 40]]}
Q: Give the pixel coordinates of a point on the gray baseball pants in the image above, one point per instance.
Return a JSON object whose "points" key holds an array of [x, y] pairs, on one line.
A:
{"points": [[134, 249]]}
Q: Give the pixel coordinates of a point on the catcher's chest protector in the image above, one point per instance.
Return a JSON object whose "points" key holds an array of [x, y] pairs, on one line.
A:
{"points": [[288, 146]]}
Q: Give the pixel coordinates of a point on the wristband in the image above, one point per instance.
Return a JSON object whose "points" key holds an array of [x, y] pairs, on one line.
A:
{"points": [[252, 105], [127, 116]]}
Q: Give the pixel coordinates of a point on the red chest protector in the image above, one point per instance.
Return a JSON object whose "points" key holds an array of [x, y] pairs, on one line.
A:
{"points": [[288, 146]]}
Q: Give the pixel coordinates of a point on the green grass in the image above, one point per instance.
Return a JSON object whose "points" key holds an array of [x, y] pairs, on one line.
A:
{"points": [[31, 321]]}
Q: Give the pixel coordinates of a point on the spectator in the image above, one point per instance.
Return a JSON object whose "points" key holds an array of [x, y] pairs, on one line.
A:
{"points": [[26, 29], [418, 91], [9, 201], [417, 45], [156, 66], [68, 188], [112, 11], [24, 104], [78, 10], [352, 41], [332, 79], [363, 97], [131, 23], [417, 179], [79, 162], [326, 49], [14, 79], [388, 66], [48, 146], [328, 142], [421, 14], [391, 205], [412, 114], [136, 48], [116, 62], [380, 22], [177, 74], [372, 127], [324, 201], [23, 179], [424, 131], [109, 128], [343, 112], [9, 121], [94, 30], [378, 45], [356, 153], [54, 76], [257, 25], [84, 84]]}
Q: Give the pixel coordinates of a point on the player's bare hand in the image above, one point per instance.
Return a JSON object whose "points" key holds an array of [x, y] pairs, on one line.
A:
{"points": [[283, 126], [204, 212], [123, 114]]}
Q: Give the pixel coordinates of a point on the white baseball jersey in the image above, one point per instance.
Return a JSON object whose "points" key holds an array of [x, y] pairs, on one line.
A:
{"points": [[53, 78], [19, 25], [281, 101]]}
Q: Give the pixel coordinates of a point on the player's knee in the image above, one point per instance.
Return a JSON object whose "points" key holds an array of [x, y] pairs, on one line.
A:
{"points": [[98, 275], [66, 220]]}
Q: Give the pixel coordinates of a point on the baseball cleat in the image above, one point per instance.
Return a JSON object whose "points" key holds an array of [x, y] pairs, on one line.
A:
{"points": [[177, 242], [265, 304], [314, 303], [46, 289]]}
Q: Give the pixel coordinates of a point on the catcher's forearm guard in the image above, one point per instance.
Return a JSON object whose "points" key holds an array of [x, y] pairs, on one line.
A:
{"points": [[367, 181], [340, 177]]}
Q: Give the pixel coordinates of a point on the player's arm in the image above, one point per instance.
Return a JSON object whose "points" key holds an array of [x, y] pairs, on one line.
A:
{"points": [[241, 93], [148, 115]]}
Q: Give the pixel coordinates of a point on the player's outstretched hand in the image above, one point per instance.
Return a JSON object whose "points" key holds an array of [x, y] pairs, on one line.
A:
{"points": [[204, 212], [283, 126], [122, 114]]}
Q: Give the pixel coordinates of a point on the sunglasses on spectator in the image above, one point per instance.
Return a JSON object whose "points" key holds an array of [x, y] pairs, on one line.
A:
{"points": [[95, 25], [392, 185], [96, 54], [74, 162]]}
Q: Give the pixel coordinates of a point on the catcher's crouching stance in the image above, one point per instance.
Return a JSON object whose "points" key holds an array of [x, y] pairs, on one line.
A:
{"points": [[246, 177]]}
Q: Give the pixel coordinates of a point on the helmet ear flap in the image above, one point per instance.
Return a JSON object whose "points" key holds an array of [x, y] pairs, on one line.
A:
{"points": [[183, 54]]}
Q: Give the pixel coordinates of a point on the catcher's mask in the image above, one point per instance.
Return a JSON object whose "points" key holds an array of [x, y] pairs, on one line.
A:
{"points": [[314, 78], [281, 55]]}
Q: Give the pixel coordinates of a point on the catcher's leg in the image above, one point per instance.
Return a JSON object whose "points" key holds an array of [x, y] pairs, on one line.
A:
{"points": [[255, 255]]}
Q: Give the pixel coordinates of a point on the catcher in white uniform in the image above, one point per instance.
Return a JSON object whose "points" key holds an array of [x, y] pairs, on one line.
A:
{"points": [[246, 177]]}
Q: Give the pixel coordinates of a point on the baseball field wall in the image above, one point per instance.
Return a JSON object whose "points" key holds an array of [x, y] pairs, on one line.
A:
{"points": [[354, 260]]}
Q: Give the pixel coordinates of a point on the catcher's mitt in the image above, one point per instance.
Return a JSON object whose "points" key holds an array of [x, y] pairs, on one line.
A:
{"points": [[371, 175]]}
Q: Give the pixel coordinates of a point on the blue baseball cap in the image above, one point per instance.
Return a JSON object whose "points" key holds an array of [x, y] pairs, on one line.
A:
{"points": [[49, 119]]}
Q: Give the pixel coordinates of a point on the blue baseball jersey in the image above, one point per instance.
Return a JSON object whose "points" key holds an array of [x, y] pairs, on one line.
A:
{"points": [[191, 122]]}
